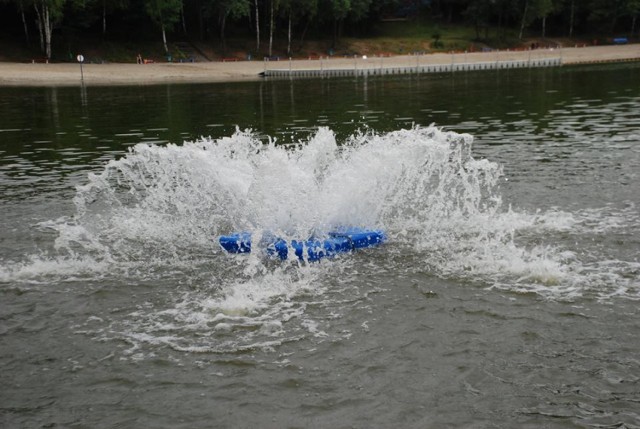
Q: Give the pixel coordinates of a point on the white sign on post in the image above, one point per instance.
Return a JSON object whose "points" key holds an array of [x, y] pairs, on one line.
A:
{"points": [[80, 59]]}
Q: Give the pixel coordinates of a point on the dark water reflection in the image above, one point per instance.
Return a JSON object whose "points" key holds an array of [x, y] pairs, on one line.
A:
{"points": [[541, 117]]}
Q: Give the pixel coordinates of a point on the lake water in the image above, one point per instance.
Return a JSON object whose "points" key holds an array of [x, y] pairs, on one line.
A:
{"points": [[506, 295]]}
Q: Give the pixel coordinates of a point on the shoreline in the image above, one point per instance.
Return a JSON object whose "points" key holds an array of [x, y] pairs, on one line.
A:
{"points": [[68, 74]]}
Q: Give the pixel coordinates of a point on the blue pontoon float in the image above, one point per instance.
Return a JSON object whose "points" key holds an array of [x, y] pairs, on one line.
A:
{"points": [[311, 249]]}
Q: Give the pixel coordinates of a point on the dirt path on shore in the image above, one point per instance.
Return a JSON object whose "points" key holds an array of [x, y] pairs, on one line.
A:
{"points": [[19, 74]]}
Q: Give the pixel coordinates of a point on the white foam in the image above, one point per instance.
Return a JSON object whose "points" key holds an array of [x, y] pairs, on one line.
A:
{"points": [[155, 213]]}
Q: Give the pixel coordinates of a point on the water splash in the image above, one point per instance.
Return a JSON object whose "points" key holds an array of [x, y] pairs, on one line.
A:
{"points": [[153, 215], [397, 180], [164, 205]]}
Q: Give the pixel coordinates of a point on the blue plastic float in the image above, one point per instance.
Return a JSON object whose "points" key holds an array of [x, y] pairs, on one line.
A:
{"points": [[311, 249]]}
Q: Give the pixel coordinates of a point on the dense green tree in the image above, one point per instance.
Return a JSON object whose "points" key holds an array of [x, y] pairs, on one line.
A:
{"points": [[607, 13], [225, 10], [329, 18], [48, 14], [359, 9], [570, 5], [273, 9], [21, 5], [533, 10], [294, 12], [633, 8], [165, 14], [195, 12], [527, 16], [257, 18], [108, 7], [478, 12], [544, 8], [338, 10]]}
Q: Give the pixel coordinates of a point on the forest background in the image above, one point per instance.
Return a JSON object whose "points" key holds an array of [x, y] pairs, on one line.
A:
{"points": [[197, 30]]}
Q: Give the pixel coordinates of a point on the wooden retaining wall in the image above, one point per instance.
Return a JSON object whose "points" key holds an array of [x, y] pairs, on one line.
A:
{"points": [[418, 69]]}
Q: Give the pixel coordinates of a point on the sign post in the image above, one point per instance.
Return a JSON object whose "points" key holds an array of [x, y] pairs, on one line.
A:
{"points": [[80, 59]]}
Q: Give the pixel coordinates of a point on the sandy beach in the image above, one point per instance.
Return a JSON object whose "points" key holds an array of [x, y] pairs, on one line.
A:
{"points": [[22, 74]]}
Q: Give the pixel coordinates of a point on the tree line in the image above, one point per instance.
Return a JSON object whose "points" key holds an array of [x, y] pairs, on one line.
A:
{"points": [[266, 19], [568, 18]]}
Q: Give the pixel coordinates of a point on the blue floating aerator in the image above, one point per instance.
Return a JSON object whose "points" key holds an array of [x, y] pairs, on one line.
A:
{"points": [[312, 249]]}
